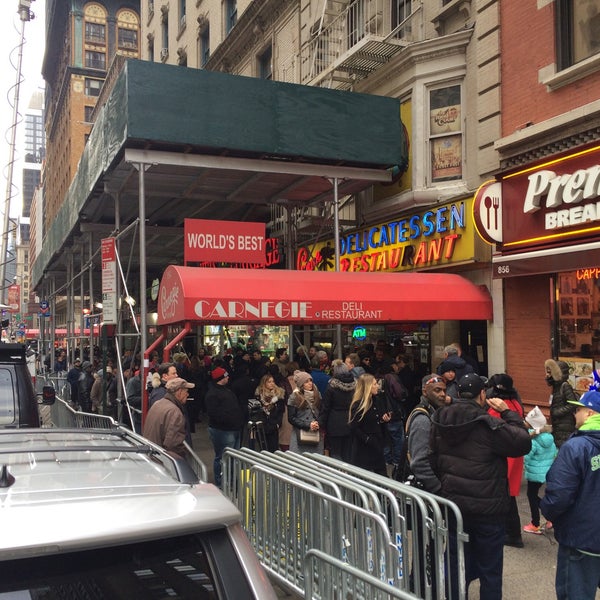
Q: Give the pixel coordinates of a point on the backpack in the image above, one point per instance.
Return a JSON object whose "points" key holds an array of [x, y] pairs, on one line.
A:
{"points": [[402, 472]]}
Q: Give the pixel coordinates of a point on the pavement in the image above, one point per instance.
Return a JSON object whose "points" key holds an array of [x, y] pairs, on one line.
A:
{"points": [[529, 572]]}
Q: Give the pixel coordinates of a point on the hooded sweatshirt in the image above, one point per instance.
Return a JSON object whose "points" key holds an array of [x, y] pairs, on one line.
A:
{"points": [[469, 451], [573, 489]]}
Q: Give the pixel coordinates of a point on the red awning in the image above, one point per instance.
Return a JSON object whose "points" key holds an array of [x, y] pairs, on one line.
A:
{"points": [[268, 296]]}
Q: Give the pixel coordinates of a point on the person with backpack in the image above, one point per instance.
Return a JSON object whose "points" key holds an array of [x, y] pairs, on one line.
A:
{"points": [[418, 427]]}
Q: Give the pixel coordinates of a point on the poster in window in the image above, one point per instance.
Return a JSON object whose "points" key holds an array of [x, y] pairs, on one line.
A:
{"points": [[581, 373], [446, 158], [444, 110]]}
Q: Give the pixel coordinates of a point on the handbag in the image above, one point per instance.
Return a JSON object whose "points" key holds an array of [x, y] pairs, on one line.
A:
{"points": [[309, 437]]}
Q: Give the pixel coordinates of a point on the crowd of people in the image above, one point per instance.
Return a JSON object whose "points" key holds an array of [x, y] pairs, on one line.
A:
{"points": [[450, 432]]}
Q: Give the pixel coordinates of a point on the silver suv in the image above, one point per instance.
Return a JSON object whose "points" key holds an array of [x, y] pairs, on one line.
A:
{"points": [[91, 513]]}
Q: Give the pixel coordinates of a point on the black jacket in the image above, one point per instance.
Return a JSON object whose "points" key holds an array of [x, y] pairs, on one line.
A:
{"points": [[336, 404], [224, 409], [368, 438], [469, 450]]}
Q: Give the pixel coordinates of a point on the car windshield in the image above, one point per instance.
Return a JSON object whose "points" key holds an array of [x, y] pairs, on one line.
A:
{"points": [[202, 566]]}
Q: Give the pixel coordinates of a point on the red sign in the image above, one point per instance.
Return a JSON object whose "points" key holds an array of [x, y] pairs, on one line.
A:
{"points": [[223, 241], [14, 297], [545, 205]]}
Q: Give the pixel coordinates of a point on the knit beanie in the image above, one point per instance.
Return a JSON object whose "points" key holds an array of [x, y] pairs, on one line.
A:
{"points": [[301, 377]]}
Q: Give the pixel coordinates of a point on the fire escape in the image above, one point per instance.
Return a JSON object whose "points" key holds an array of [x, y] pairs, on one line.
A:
{"points": [[354, 38]]}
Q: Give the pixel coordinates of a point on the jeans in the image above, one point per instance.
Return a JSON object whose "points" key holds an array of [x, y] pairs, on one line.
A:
{"points": [[484, 558], [393, 453], [220, 440], [577, 574], [533, 496]]}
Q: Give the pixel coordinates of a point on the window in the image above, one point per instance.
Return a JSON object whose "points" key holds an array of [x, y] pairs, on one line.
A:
{"points": [[127, 31], [204, 46], [95, 60], [88, 113], [578, 31], [356, 23], [95, 33], [128, 39], [401, 10], [230, 14], [265, 64], [182, 14], [92, 87], [151, 49], [165, 37], [445, 133]]}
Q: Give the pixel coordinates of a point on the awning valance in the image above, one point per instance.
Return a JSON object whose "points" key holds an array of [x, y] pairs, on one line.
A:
{"points": [[267, 296]]}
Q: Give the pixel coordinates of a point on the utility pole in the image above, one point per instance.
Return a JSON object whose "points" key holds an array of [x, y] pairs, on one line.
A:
{"points": [[26, 15]]}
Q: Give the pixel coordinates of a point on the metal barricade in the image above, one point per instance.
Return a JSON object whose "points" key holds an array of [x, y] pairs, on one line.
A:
{"points": [[285, 517], [62, 415], [442, 541], [327, 578], [426, 530]]}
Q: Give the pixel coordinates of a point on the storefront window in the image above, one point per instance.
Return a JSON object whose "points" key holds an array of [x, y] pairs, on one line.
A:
{"points": [[578, 297], [266, 338]]}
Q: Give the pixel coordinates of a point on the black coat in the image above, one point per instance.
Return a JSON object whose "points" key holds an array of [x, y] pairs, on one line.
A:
{"points": [[224, 410], [336, 404], [469, 448], [368, 439]]}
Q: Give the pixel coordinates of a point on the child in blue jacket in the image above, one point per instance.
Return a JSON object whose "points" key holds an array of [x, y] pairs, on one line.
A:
{"points": [[537, 464]]}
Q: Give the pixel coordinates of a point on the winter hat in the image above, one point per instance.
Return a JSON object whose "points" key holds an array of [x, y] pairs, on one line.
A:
{"points": [[446, 366], [301, 377], [339, 367], [218, 374], [535, 417], [502, 381], [86, 365], [470, 385], [590, 399]]}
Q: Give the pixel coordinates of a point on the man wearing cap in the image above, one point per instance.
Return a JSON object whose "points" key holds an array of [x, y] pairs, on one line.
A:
{"points": [[166, 423], [225, 418], [469, 450], [571, 503]]}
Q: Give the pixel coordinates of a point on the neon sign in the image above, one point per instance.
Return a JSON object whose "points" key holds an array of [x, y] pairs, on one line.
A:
{"points": [[424, 239]]}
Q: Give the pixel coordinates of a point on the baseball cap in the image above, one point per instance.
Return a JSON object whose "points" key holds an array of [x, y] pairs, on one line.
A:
{"points": [[177, 383], [470, 385], [590, 399]]}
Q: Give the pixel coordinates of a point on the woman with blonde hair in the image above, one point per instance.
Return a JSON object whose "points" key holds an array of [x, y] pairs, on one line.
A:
{"points": [[304, 413], [367, 421], [270, 412]]}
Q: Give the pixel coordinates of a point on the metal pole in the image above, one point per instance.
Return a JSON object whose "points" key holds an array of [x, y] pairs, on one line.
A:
{"points": [[336, 230], [143, 303], [25, 15]]}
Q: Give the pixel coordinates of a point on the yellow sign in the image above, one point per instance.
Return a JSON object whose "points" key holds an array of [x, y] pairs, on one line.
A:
{"points": [[441, 235]]}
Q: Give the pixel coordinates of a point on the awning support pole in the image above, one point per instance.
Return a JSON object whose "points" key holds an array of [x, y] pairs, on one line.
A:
{"points": [[336, 231]]}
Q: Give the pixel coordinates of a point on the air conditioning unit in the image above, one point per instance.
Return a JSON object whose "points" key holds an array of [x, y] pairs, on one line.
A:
{"points": [[164, 53]]}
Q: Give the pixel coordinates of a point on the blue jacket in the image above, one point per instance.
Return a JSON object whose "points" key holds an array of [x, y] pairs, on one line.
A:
{"points": [[572, 492], [540, 458]]}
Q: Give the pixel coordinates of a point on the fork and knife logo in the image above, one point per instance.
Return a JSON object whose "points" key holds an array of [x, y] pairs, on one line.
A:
{"points": [[491, 202]]}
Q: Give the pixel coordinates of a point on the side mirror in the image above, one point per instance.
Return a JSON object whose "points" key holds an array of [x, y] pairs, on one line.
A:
{"points": [[48, 395]]}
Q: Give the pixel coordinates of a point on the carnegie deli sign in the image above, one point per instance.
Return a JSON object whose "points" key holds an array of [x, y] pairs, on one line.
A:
{"points": [[553, 203]]}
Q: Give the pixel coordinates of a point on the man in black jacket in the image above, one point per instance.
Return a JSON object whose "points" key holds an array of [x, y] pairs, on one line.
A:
{"points": [[469, 450], [225, 418]]}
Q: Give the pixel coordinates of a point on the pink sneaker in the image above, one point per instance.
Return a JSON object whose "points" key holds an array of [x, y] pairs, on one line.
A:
{"points": [[531, 528], [548, 525]]}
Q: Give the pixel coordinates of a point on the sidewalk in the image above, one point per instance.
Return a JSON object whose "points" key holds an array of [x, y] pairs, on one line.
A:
{"points": [[528, 572]]}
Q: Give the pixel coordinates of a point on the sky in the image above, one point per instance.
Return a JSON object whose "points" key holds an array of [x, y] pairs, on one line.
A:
{"points": [[33, 54]]}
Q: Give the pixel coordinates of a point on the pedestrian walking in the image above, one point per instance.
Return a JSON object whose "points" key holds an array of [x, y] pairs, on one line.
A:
{"points": [[562, 412], [571, 503]]}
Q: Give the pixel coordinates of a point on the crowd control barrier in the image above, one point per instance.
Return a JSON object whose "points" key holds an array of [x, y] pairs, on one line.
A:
{"points": [[425, 530], [62, 415], [323, 574]]}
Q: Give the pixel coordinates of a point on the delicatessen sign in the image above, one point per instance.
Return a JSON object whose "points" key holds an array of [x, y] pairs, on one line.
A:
{"points": [[438, 236]]}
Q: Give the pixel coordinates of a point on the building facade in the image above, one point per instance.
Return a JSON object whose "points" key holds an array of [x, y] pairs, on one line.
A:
{"points": [[546, 193], [82, 39], [441, 60]]}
